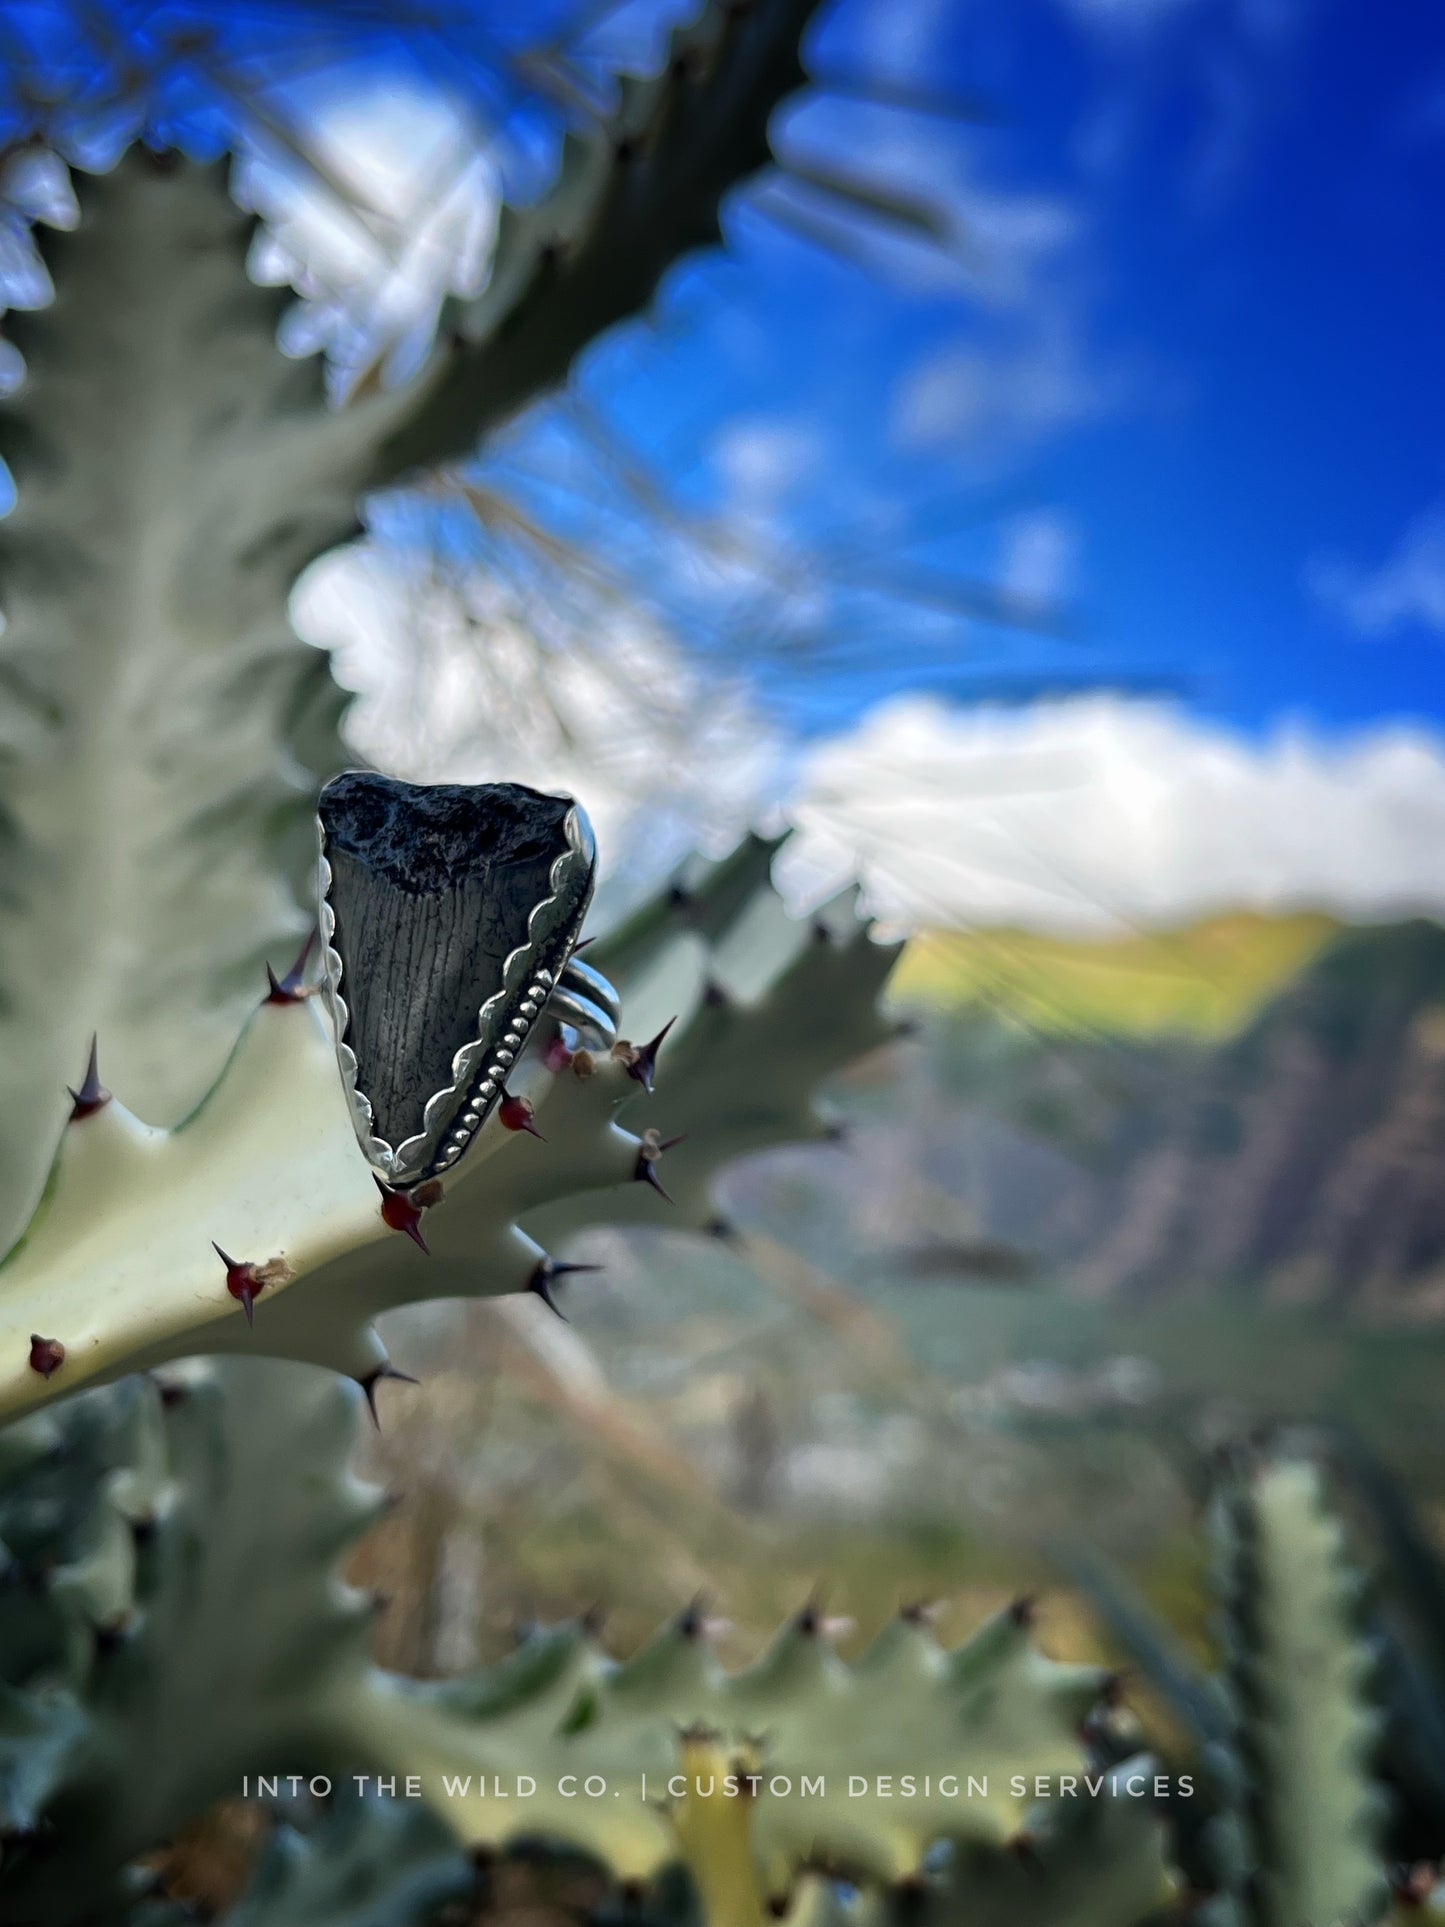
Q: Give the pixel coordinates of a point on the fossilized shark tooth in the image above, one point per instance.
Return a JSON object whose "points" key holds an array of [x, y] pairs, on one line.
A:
{"points": [[448, 914]]}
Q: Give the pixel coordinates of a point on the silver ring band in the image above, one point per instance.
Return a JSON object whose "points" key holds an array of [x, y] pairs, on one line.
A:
{"points": [[586, 1002], [593, 986]]}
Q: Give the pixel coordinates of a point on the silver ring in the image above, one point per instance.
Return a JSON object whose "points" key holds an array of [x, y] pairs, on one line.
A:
{"points": [[586, 1002], [449, 916]]}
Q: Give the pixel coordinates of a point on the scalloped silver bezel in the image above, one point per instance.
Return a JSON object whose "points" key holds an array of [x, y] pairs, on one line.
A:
{"points": [[529, 976]]}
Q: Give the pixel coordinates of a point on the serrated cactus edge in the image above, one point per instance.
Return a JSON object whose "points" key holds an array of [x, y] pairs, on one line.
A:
{"points": [[255, 1225], [174, 1629], [162, 731]]}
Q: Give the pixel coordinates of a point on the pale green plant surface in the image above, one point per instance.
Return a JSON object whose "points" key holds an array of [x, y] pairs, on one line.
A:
{"points": [[182, 1541], [174, 1620], [162, 733], [120, 1264], [1304, 1808]]}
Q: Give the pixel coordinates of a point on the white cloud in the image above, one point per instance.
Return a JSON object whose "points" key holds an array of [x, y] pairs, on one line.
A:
{"points": [[1083, 816], [943, 395], [1039, 554], [1199, 100], [1009, 238], [762, 459], [1023, 367], [1409, 586], [400, 210], [453, 688], [1002, 400], [1102, 813]]}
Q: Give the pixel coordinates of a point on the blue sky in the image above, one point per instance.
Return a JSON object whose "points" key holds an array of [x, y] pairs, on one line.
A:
{"points": [[1188, 374], [1177, 367], [1173, 371]]}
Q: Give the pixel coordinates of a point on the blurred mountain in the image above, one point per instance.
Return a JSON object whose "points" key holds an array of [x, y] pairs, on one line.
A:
{"points": [[1204, 979], [1274, 1122]]}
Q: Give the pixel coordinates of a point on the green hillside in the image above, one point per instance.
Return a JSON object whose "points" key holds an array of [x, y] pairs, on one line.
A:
{"points": [[1206, 979]]}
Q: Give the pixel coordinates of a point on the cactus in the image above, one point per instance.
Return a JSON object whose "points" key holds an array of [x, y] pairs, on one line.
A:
{"points": [[1305, 1808], [370, 1862], [172, 1622], [1291, 1736], [254, 1225], [161, 730], [376, 1863], [161, 737], [1100, 1863]]}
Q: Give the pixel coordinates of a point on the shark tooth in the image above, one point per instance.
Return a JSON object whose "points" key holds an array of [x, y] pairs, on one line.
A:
{"points": [[445, 909]]}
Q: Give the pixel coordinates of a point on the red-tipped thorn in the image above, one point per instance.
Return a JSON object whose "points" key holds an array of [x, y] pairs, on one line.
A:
{"points": [[92, 1095], [546, 1273], [240, 1281], [400, 1212], [517, 1114], [292, 988], [47, 1355], [373, 1379], [644, 1058], [246, 1281]]}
